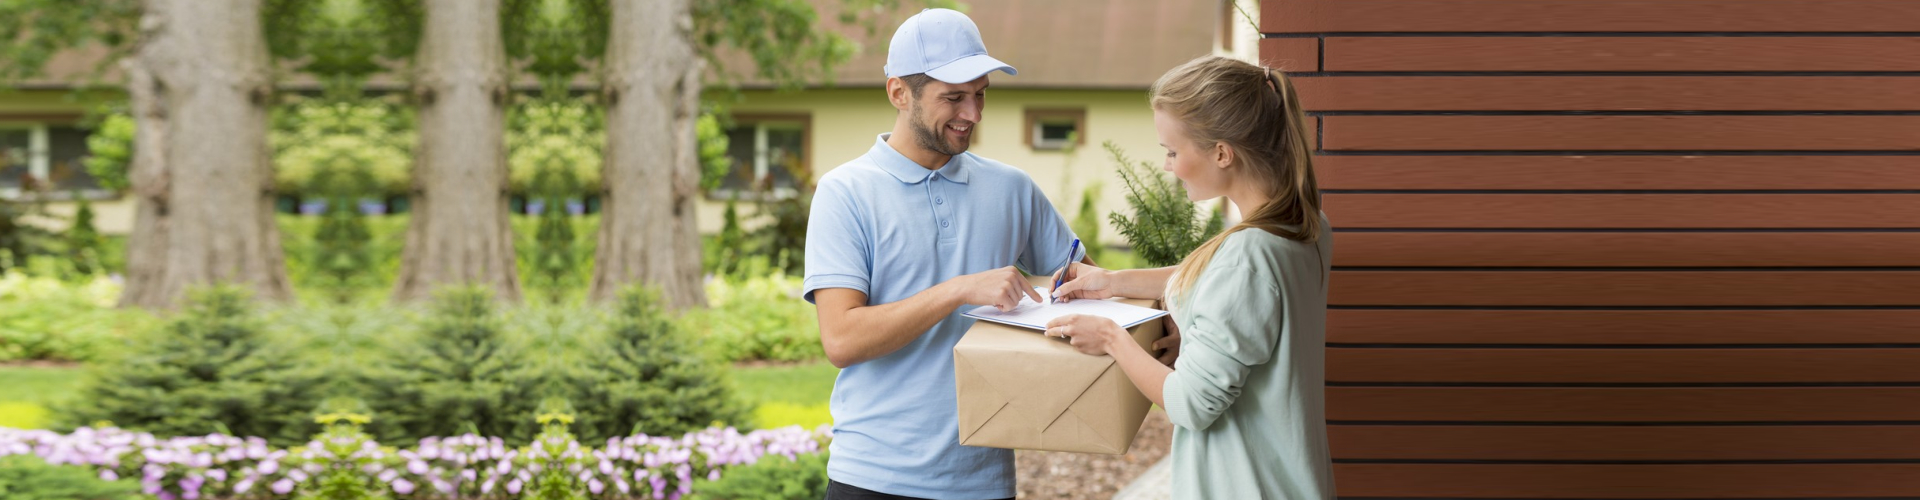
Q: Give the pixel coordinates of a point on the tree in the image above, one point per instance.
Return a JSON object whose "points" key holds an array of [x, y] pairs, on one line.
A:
{"points": [[198, 83], [459, 232], [199, 87], [657, 53]]}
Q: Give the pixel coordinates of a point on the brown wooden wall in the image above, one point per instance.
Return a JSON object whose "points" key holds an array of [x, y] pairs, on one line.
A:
{"points": [[1609, 249]]}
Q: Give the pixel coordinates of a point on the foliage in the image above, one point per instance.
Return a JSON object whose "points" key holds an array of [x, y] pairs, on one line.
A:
{"points": [[458, 372], [772, 478], [645, 376], [212, 369], [724, 253], [35, 30], [757, 318], [305, 239], [712, 135], [19, 240], [1086, 224], [83, 243], [45, 318], [342, 41], [26, 477], [786, 395], [559, 138], [342, 147], [110, 147], [1165, 225], [342, 462], [555, 37]]}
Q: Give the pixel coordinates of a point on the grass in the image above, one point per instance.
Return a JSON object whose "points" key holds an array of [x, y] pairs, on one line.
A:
{"points": [[25, 393], [787, 395]]}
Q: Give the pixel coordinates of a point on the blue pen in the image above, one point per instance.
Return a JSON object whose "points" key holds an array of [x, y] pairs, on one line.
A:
{"points": [[1071, 249]]}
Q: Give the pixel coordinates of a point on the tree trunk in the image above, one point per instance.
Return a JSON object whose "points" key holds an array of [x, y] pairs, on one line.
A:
{"points": [[652, 173], [459, 234], [200, 90]]}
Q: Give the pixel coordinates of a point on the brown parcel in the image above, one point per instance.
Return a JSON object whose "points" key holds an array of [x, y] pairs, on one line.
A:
{"points": [[1018, 388]]}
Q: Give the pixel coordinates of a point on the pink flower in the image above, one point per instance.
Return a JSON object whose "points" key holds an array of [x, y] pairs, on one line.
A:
{"points": [[402, 486], [282, 486]]}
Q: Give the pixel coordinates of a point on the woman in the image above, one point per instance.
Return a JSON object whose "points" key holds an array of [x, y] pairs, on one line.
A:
{"points": [[1245, 392]]}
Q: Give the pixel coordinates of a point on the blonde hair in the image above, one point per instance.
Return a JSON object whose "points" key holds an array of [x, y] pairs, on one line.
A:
{"points": [[1255, 112]]}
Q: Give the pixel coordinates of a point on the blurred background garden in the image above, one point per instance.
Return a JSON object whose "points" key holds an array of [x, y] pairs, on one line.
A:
{"points": [[475, 249]]}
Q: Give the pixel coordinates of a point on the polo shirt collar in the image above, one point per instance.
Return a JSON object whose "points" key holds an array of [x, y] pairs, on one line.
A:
{"points": [[912, 173]]}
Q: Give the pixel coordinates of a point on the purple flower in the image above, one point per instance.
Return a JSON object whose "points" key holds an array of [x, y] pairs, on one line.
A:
{"points": [[595, 486], [402, 486], [417, 467], [282, 486], [243, 486], [513, 487]]}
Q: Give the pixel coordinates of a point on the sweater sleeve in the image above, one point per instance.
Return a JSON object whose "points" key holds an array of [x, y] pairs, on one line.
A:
{"points": [[1233, 313]]}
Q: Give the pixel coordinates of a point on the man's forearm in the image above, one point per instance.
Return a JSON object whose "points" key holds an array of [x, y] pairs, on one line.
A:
{"points": [[868, 332]]}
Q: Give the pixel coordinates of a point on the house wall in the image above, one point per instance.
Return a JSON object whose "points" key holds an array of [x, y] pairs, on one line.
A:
{"points": [[845, 123], [1618, 249]]}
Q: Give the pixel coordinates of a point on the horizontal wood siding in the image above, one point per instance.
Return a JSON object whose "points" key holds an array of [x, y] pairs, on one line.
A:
{"points": [[1614, 249]]}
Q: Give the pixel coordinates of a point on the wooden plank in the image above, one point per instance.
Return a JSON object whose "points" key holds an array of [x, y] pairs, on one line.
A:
{"points": [[1573, 53], [1608, 93], [1332, 16], [1623, 366], [1594, 404], [1618, 172], [1475, 442], [1824, 326], [1610, 133], [1744, 481], [1442, 249], [1627, 288], [1290, 54], [1628, 211]]}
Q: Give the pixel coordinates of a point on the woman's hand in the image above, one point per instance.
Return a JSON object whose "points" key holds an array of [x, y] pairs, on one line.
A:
{"points": [[1171, 342], [1082, 281], [1091, 335]]}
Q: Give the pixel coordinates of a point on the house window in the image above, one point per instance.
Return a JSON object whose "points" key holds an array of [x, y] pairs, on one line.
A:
{"points": [[1055, 129], [768, 153], [38, 156]]}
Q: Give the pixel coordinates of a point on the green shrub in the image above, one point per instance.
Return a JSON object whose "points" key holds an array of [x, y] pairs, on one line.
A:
{"points": [[774, 477], [27, 477], [1086, 225], [212, 369], [757, 318], [43, 318], [1165, 225], [82, 242], [459, 373], [643, 376]]}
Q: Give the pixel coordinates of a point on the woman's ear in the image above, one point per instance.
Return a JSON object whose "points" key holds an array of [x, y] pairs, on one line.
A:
{"points": [[1222, 155]]}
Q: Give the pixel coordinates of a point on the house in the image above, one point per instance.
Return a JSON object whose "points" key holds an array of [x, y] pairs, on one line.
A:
{"points": [[1085, 66]]}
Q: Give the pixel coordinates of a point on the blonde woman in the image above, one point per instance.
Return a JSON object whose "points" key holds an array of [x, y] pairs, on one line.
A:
{"points": [[1244, 376]]}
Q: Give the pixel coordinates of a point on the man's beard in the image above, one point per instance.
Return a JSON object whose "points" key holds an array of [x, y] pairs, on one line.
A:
{"points": [[933, 140]]}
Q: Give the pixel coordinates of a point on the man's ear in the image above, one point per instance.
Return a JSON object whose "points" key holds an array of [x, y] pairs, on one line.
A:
{"points": [[1222, 155], [899, 94]]}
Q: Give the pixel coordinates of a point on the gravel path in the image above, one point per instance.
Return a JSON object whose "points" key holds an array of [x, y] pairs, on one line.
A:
{"points": [[1077, 476]]}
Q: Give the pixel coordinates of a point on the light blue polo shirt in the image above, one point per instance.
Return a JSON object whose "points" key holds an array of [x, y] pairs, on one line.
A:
{"points": [[886, 226]]}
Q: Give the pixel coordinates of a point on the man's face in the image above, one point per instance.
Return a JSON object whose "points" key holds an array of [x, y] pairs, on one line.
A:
{"points": [[943, 115]]}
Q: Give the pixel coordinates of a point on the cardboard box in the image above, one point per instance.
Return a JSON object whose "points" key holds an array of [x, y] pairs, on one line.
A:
{"points": [[1020, 389]]}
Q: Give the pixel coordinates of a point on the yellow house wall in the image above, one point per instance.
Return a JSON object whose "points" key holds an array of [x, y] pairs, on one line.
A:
{"points": [[846, 121]]}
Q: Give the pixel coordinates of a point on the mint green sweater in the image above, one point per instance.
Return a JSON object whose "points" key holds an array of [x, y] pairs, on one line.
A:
{"points": [[1247, 395]]}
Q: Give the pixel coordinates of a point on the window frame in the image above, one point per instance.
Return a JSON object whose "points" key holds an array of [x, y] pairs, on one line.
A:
{"points": [[39, 128], [761, 123], [1036, 117]]}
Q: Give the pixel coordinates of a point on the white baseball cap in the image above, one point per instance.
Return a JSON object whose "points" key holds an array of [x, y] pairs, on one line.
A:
{"points": [[945, 45]]}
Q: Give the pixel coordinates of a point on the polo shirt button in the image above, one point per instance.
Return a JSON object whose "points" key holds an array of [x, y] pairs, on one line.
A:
{"points": [[939, 201], [943, 223]]}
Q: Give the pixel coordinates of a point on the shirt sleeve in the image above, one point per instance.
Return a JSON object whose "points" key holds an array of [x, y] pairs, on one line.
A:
{"points": [[1234, 313], [1048, 237], [839, 253]]}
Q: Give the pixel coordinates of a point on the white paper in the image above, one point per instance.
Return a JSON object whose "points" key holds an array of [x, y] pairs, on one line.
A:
{"points": [[1035, 315]]}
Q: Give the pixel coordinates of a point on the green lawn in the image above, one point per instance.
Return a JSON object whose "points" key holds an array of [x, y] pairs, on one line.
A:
{"points": [[787, 395], [780, 395], [25, 393]]}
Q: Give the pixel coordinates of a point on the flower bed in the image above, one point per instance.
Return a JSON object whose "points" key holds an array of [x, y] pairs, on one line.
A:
{"points": [[461, 467]]}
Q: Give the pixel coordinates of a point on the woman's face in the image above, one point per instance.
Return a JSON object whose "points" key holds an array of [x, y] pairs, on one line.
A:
{"points": [[1201, 168]]}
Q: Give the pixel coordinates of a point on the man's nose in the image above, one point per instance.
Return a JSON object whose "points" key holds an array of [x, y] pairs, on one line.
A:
{"points": [[971, 111]]}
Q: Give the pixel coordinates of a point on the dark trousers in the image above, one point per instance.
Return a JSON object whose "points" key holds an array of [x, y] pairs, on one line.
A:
{"points": [[842, 491]]}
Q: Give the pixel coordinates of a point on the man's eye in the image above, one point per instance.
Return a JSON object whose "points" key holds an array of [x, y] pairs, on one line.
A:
{"points": [[953, 99], [1169, 154]]}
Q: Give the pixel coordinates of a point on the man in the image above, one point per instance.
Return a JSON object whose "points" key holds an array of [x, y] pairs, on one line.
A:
{"points": [[900, 239]]}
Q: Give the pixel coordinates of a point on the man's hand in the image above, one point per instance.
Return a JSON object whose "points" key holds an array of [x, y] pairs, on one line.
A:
{"points": [[1001, 288], [1171, 342]]}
